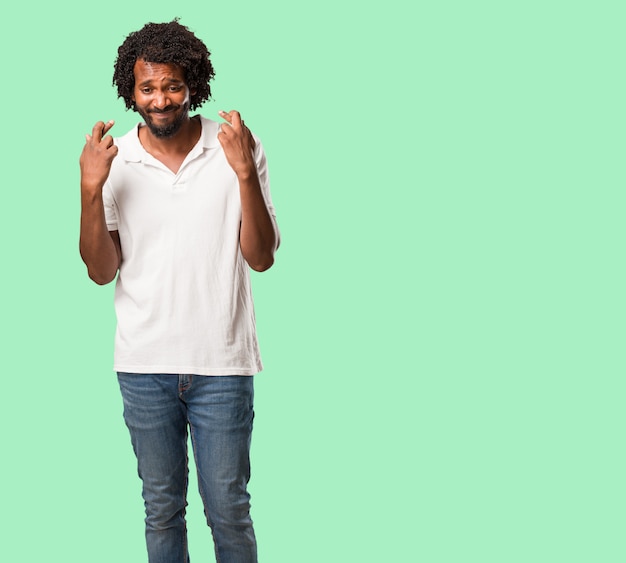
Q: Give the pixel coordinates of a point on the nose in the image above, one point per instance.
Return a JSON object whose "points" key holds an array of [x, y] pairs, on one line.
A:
{"points": [[161, 101]]}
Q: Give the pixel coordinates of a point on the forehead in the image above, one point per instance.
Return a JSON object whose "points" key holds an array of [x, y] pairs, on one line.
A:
{"points": [[146, 71]]}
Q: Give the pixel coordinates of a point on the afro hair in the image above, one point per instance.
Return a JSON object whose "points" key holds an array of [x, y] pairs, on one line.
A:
{"points": [[166, 43]]}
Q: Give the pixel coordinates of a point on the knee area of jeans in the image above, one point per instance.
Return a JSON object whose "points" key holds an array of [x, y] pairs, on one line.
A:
{"points": [[164, 517], [163, 505], [229, 511], [230, 521]]}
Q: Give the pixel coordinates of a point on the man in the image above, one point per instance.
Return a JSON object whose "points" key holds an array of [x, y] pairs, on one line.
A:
{"points": [[180, 206]]}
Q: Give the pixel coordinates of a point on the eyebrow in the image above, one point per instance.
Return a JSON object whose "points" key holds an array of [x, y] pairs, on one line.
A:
{"points": [[171, 80]]}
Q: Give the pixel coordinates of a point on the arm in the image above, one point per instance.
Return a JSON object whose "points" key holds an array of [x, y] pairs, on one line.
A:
{"points": [[257, 236], [99, 249]]}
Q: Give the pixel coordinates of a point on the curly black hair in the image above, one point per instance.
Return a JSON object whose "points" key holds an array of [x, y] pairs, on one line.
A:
{"points": [[170, 43]]}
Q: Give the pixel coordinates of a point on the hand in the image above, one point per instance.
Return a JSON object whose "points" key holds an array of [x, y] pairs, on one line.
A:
{"points": [[237, 142], [97, 156]]}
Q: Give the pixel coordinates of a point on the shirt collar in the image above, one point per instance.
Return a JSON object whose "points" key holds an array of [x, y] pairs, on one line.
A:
{"points": [[133, 151]]}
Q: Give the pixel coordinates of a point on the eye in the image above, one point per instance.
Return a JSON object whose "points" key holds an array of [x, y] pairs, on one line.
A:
{"points": [[175, 88], [146, 90]]}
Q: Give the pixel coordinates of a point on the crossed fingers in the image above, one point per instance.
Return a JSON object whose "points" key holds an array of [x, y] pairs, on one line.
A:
{"points": [[236, 124], [233, 118], [97, 156], [98, 133]]}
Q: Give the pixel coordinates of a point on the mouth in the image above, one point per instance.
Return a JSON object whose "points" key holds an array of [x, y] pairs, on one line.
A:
{"points": [[162, 114]]}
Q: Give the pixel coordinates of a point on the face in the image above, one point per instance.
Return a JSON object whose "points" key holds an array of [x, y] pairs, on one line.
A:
{"points": [[161, 97]]}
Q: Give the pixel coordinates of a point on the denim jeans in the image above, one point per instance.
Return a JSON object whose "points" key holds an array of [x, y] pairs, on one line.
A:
{"points": [[218, 410]]}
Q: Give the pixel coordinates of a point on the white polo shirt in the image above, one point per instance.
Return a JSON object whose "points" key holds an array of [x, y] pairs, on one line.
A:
{"points": [[183, 299]]}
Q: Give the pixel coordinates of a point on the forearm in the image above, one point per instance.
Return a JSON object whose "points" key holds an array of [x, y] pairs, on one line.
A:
{"points": [[97, 248], [258, 236]]}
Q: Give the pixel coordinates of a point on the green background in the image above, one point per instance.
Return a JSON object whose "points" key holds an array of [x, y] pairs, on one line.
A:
{"points": [[443, 328]]}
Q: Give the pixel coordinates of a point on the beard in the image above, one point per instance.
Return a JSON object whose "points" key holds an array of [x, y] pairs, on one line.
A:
{"points": [[169, 129]]}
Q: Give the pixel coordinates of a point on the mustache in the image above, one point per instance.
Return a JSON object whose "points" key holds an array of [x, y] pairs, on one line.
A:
{"points": [[163, 110]]}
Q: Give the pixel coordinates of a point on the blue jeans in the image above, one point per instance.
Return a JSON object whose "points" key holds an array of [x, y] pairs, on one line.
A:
{"points": [[158, 409]]}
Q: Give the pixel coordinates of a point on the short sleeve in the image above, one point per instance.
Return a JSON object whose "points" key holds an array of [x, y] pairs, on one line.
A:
{"points": [[110, 208]]}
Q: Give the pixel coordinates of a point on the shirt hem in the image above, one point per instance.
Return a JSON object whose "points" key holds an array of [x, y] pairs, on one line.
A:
{"points": [[188, 370]]}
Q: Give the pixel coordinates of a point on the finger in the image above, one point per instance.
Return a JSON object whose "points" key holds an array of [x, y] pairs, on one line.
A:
{"points": [[225, 115], [235, 119], [107, 126], [96, 132], [107, 141]]}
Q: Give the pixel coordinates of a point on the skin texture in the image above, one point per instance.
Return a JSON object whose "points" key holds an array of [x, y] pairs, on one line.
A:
{"points": [[161, 97]]}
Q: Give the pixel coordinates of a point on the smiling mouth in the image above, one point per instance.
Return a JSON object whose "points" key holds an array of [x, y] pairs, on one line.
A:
{"points": [[163, 113]]}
